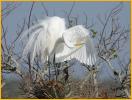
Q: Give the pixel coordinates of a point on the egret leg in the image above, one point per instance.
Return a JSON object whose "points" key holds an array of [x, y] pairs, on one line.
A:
{"points": [[49, 68]]}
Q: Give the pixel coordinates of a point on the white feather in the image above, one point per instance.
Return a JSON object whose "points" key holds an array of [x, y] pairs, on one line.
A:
{"points": [[50, 37], [85, 54], [42, 37]]}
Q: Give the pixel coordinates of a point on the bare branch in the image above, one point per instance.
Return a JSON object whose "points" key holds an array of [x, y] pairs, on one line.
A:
{"points": [[30, 14], [71, 9], [45, 9]]}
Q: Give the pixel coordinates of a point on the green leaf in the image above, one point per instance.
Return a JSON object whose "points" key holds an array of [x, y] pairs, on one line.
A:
{"points": [[113, 50], [93, 33], [115, 56]]}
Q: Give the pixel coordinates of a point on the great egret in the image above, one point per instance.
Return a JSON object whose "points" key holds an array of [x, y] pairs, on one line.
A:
{"points": [[50, 37]]}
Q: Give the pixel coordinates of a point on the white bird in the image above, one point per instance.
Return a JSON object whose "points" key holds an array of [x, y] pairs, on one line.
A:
{"points": [[50, 37]]}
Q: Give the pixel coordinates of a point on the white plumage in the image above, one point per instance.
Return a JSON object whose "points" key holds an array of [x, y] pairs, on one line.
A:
{"points": [[50, 37]]}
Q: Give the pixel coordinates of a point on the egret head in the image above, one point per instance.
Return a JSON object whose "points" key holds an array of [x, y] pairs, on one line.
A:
{"points": [[80, 41], [56, 26]]}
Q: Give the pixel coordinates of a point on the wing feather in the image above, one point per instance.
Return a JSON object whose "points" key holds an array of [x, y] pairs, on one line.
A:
{"points": [[85, 53], [37, 42]]}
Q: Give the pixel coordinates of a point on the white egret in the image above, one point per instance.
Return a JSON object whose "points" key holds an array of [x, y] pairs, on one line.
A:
{"points": [[50, 37]]}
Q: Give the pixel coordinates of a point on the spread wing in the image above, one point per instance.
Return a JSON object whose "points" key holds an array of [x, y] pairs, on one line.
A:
{"points": [[77, 44]]}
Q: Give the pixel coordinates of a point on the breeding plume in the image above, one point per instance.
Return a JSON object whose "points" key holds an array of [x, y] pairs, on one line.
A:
{"points": [[51, 37]]}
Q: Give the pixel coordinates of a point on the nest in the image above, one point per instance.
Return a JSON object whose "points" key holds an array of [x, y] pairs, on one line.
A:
{"points": [[44, 89]]}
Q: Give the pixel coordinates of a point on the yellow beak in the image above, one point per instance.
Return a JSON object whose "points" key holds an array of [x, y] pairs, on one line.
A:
{"points": [[79, 43]]}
